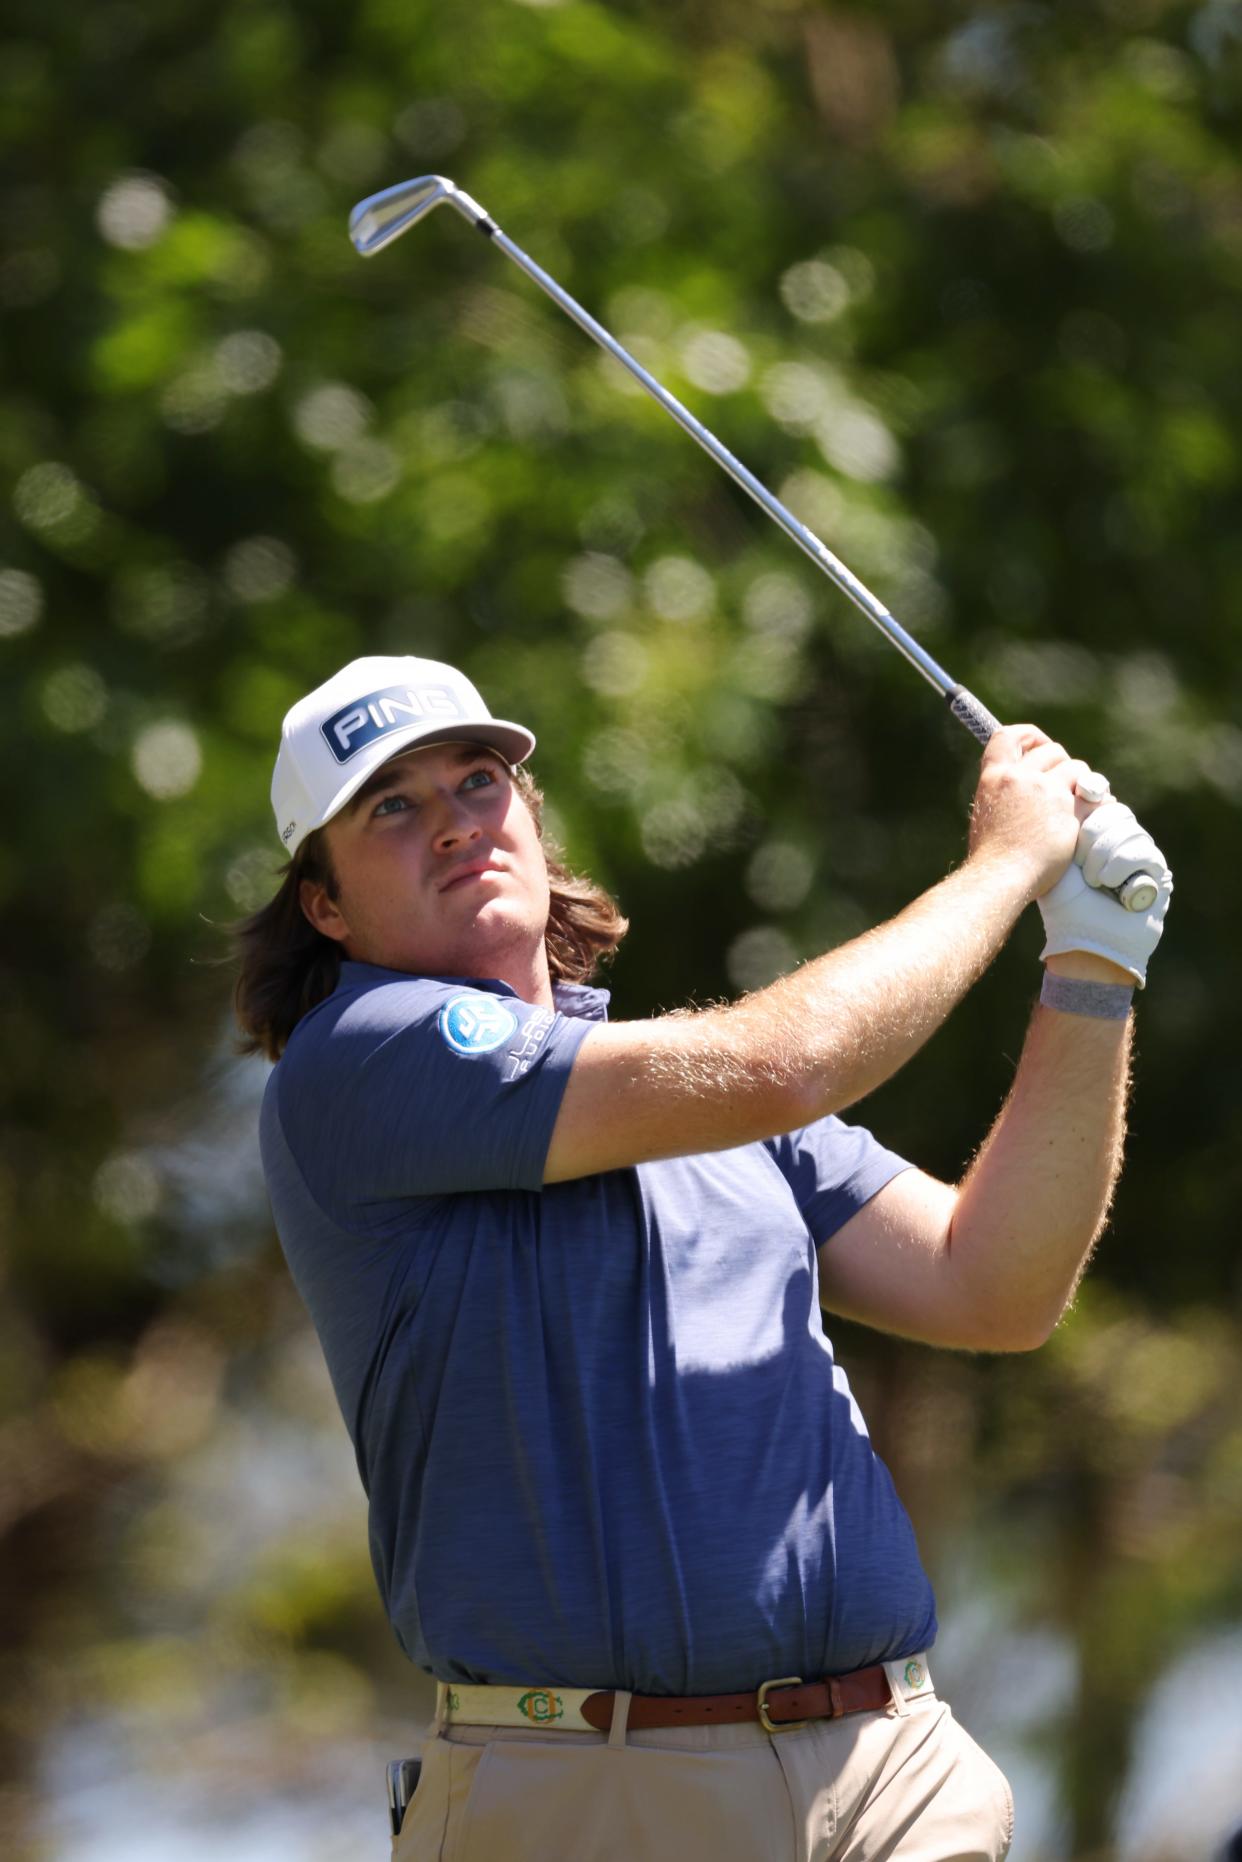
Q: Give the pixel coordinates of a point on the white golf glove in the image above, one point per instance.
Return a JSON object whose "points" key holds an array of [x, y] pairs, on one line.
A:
{"points": [[1078, 915]]}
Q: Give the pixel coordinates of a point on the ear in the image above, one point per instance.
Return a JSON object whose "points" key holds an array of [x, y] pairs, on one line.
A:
{"points": [[321, 911]]}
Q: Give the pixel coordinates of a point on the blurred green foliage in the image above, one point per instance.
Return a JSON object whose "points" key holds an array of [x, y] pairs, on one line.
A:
{"points": [[962, 284]]}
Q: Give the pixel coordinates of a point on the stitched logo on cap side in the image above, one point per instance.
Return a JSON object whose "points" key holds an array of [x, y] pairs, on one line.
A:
{"points": [[392, 708]]}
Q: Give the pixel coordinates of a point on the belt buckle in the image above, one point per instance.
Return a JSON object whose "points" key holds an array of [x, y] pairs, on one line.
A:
{"points": [[761, 1701]]}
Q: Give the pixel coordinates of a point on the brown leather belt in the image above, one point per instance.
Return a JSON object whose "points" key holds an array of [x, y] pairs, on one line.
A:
{"points": [[779, 1706]]}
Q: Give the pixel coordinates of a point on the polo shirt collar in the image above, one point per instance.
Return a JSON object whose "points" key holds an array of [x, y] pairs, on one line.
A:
{"points": [[577, 999]]}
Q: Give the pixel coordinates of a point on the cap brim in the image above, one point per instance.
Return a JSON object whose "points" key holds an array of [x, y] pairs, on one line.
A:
{"points": [[513, 741]]}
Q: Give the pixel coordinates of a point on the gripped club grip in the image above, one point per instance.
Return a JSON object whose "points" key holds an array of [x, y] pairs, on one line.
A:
{"points": [[968, 710], [1138, 893]]}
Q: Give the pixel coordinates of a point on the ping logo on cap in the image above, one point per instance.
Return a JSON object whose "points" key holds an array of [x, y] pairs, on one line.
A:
{"points": [[390, 709]]}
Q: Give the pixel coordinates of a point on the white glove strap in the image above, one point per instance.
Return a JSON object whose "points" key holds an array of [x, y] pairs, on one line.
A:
{"points": [[1075, 995]]}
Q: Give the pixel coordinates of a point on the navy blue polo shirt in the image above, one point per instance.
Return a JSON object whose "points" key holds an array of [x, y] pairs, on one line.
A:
{"points": [[601, 1430]]}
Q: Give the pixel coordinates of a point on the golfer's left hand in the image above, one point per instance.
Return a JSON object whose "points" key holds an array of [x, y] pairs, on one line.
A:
{"points": [[1079, 915]]}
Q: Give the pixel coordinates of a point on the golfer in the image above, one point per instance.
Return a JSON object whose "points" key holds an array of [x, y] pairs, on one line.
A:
{"points": [[567, 1274]]}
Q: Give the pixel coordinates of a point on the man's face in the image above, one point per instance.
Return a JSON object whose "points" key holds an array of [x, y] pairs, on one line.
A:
{"points": [[439, 867]]}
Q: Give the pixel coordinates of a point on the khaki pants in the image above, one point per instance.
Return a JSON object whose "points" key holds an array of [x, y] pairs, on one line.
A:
{"points": [[870, 1786]]}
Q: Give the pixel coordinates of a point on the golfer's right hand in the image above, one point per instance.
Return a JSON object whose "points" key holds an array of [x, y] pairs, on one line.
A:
{"points": [[1025, 810]]}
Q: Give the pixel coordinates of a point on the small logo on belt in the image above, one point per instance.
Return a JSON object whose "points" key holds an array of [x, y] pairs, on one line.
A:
{"points": [[541, 1707], [915, 1674]]}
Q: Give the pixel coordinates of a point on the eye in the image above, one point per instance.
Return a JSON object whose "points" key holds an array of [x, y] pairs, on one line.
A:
{"points": [[391, 805], [479, 778]]}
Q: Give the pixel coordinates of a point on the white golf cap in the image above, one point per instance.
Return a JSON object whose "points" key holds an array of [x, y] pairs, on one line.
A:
{"points": [[371, 710]]}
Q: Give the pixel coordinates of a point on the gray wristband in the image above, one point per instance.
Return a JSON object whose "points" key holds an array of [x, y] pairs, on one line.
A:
{"points": [[1073, 995]]}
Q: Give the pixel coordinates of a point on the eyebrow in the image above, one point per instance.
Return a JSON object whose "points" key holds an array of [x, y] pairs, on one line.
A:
{"points": [[387, 775]]}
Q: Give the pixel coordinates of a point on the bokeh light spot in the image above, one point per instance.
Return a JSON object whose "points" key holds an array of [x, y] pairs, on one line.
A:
{"points": [[167, 759], [776, 604], [134, 211], [365, 472], [716, 362], [674, 833], [679, 589], [757, 957], [74, 698], [597, 586], [196, 401], [127, 1187], [798, 395], [641, 310], [259, 569], [165, 604], [778, 876], [814, 501], [856, 441], [49, 497], [247, 361], [614, 664], [814, 291], [331, 416], [21, 603], [252, 878], [616, 761]]}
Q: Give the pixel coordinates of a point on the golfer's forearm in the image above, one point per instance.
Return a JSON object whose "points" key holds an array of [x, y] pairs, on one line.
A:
{"points": [[842, 1024], [1036, 1198], [811, 1043], [838, 1026]]}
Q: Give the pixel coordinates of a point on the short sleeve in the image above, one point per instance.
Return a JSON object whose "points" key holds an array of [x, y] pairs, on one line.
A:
{"points": [[833, 1169], [416, 1087]]}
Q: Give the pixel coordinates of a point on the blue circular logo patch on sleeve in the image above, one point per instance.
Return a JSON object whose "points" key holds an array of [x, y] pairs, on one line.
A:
{"points": [[476, 1024]]}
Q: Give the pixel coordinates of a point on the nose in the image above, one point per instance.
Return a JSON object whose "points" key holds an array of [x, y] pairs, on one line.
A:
{"points": [[453, 826]]}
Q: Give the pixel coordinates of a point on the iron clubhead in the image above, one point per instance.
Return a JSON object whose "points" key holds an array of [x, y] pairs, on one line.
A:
{"points": [[379, 219]]}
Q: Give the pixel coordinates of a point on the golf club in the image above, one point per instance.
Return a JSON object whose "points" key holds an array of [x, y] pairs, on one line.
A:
{"points": [[383, 217]]}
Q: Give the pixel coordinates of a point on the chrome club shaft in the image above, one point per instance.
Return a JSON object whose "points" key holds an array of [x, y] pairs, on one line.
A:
{"points": [[381, 218], [376, 222]]}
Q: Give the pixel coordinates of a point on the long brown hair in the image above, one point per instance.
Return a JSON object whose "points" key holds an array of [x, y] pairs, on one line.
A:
{"points": [[286, 966]]}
